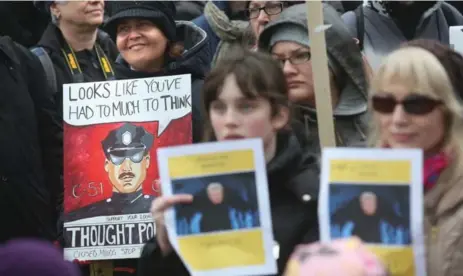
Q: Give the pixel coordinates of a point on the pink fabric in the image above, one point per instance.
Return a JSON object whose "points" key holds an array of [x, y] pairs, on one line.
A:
{"points": [[348, 257], [432, 168]]}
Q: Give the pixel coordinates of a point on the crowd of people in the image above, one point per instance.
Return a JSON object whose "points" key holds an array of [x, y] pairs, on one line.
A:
{"points": [[395, 83]]}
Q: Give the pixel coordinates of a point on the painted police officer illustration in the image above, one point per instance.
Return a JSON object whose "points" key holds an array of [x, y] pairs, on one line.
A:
{"points": [[127, 160]]}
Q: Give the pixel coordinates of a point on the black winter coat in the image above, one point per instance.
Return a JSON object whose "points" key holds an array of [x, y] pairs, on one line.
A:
{"points": [[52, 41], [22, 21], [29, 145], [293, 189], [193, 61]]}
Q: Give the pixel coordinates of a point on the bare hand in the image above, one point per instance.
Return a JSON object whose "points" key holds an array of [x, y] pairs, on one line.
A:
{"points": [[158, 207]]}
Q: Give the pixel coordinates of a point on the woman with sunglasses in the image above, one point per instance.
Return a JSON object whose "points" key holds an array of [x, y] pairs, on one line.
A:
{"points": [[287, 40], [414, 106]]}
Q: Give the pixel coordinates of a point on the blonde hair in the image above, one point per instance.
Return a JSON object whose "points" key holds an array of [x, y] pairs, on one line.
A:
{"points": [[422, 73]]}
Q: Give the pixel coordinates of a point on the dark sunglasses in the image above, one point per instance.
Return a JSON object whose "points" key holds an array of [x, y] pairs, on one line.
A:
{"points": [[413, 104], [135, 158]]}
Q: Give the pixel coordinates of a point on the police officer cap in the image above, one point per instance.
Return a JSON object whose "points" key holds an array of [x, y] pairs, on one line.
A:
{"points": [[127, 140]]}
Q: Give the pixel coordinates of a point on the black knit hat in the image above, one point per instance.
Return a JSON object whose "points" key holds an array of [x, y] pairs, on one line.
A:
{"points": [[161, 13]]}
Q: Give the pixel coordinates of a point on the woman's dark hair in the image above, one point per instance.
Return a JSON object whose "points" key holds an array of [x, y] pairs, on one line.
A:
{"points": [[257, 75], [451, 60]]}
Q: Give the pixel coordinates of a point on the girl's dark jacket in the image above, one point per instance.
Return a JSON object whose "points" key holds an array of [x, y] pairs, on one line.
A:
{"points": [[293, 190], [193, 61]]}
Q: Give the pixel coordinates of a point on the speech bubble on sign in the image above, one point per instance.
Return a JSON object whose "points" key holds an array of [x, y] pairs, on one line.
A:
{"points": [[161, 99]]}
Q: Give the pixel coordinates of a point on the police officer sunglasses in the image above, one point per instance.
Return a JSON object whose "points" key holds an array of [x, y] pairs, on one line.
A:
{"points": [[269, 9], [413, 104], [136, 157]]}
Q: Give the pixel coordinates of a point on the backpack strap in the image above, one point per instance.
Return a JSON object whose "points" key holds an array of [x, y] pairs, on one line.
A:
{"points": [[360, 21], [47, 64]]}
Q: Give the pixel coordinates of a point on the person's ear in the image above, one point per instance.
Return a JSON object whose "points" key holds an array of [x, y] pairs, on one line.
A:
{"points": [[281, 119], [106, 165], [54, 10]]}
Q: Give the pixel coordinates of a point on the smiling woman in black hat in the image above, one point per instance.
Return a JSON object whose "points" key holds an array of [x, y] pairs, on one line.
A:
{"points": [[152, 44]]}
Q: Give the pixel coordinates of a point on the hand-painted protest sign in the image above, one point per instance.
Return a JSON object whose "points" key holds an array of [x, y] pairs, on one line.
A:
{"points": [[226, 230], [376, 195], [111, 132]]}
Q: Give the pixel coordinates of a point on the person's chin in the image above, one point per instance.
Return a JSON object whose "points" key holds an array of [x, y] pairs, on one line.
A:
{"points": [[95, 21], [136, 60], [298, 94]]}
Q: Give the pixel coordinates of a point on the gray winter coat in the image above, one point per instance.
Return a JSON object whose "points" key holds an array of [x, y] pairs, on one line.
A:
{"points": [[382, 35], [345, 58]]}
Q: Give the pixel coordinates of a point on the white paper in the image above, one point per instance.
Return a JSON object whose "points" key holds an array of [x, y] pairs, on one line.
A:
{"points": [[456, 38], [162, 99], [339, 195], [237, 174]]}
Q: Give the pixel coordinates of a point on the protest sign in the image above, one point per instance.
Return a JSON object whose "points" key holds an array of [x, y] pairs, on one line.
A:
{"points": [[321, 77], [227, 229], [456, 38], [376, 195], [111, 132]]}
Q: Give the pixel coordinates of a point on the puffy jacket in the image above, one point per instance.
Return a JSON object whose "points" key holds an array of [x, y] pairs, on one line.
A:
{"points": [[383, 33]]}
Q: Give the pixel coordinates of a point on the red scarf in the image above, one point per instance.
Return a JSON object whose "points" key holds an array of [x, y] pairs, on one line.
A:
{"points": [[432, 168]]}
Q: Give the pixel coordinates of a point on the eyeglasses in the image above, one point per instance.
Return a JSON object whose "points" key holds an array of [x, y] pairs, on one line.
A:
{"points": [[295, 59], [413, 104], [269, 9], [135, 156]]}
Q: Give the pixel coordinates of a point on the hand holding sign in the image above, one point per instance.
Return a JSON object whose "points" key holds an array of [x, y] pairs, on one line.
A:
{"points": [[162, 99], [158, 207]]}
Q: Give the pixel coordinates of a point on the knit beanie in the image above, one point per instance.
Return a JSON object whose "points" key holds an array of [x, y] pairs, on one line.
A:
{"points": [[31, 257], [161, 13]]}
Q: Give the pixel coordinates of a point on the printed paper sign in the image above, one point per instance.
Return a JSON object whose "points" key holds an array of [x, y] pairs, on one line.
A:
{"points": [[456, 38], [111, 132], [376, 195], [227, 228]]}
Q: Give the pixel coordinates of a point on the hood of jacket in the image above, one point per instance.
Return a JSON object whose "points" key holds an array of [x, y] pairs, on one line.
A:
{"points": [[344, 55], [193, 60], [293, 168]]}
